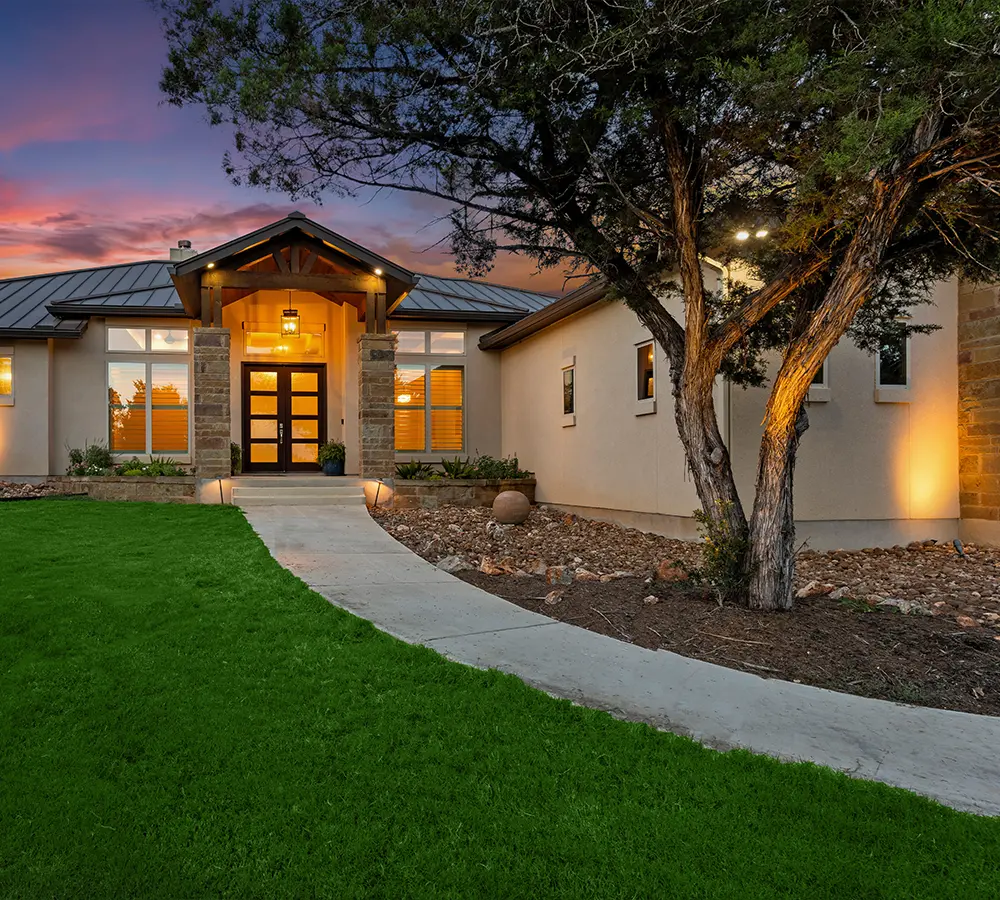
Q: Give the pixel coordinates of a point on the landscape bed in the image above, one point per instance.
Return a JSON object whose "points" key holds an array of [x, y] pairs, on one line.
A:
{"points": [[841, 639], [181, 717]]}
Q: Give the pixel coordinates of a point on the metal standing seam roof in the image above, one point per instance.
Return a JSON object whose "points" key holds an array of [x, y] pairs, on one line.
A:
{"points": [[58, 304]]}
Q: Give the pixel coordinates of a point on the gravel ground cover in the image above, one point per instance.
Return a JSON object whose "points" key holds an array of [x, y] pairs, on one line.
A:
{"points": [[917, 624], [14, 490]]}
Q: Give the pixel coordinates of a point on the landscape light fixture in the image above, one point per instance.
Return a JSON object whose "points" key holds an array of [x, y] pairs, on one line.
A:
{"points": [[762, 233], [742, 235]]}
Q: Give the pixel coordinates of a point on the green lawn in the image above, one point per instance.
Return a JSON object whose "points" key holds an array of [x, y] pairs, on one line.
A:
{"points": [[180, 717]]}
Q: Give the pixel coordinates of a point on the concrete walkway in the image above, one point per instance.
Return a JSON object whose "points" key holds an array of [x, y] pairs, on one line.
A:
{"points": [[345, 556]]}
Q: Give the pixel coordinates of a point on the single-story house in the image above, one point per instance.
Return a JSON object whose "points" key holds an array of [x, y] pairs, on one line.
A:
{"points": [[293, 334]]}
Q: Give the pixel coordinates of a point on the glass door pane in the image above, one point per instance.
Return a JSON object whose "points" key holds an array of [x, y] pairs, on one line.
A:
{"points": [[262, 420], [306, 417]]}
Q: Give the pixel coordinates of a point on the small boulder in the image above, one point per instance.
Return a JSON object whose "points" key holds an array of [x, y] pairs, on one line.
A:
{"points": [[553, 597], [670, 571], [907, 607], [536, 567], [511, 508], [813, 589], [453, 564], [558, 575], [651, 599], [488, 567], [839, 593]]}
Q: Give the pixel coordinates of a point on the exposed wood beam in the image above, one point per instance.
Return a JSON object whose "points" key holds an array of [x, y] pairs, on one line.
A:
{"points": [[295, 255], [307, 266], [279, 261], [371, 319], [381, 325], [206, 307], [279, 281]]}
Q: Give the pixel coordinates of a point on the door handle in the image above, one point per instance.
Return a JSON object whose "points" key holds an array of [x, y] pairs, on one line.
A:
{"points": [[281, 432]]}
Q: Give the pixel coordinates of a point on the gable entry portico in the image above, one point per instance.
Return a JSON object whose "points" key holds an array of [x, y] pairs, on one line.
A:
{"points": [[293, 255]]}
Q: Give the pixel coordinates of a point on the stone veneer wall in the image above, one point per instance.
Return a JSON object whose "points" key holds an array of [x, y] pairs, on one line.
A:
{"points": [[376, 407], [212, 411], [419, 494], [979, 401], [162, 489]]}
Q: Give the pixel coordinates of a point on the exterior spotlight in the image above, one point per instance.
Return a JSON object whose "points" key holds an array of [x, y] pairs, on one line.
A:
{"points": [[378, 271], [290, 323], [742, 235], [762, 233], [210, 266]]}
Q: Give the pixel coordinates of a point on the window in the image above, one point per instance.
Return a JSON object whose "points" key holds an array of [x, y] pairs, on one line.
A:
{"points": [[819, 379], [145, 340], [569, 394], [148, 407], [644, 354], [434, 343], [819, 388], [6, 376], [148, 399], [265, 340], [892, 365], [437, 412]]}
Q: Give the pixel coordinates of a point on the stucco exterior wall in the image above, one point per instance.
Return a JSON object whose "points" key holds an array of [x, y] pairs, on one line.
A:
{"points": [[868, 472], [24, 426]]}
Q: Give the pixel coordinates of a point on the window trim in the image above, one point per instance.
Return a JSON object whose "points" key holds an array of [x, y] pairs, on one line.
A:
{"points": [[420, 360], [894, 393], [568, 418], [645, 406], [8, 353], [819, 391], [157, 360]]}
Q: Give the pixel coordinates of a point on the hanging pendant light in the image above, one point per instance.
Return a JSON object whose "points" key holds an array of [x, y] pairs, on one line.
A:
{"points": [[290, 320]]}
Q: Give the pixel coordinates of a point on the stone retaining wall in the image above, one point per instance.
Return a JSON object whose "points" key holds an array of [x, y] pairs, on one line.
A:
{"points": [[414, 494], [162, 489]]}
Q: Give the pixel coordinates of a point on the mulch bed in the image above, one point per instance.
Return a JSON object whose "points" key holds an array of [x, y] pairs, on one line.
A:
{"points": [[836, 644], [949, 660]]}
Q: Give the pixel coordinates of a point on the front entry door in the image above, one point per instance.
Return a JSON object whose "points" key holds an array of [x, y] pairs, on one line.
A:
{"points": [[284, 417]]}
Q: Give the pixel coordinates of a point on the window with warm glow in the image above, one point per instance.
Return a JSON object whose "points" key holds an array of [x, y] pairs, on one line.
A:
{"points": [[148, 399], [429, 408], [431, 343], [261, 340], [6, 376], [646, 385]]}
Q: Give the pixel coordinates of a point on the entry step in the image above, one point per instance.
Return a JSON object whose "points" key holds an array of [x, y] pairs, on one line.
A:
{"points": [[297, 492]]}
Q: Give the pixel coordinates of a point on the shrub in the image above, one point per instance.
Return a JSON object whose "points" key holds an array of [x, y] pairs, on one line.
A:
{"points": [[331, 451], [158, 466], [499, 469], [235, 458], [413, 470], [93, 459], [722, 554], [458, 468]]}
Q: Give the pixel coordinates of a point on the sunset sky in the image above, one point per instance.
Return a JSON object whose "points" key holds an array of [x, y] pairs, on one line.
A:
{"points": [[94, 168]]}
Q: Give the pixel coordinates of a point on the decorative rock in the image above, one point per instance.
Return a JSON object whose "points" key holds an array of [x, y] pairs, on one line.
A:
{"points": [[553, 597], [966, 621], [651, 599], [813, 589], [586, 575], [536, 567], [511, 507], [558, 575], [453, 564], [488, 567], [839, 593], [669, 571], [402, 529], [908, 607]]}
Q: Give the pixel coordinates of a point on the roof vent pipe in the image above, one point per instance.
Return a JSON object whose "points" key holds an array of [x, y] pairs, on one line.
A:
{"points": [[182, 251]]}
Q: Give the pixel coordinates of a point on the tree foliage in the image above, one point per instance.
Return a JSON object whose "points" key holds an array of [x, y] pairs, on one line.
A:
{"points": [[637, 140]]}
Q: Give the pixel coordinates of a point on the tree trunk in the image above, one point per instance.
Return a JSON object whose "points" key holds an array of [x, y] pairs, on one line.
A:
{"points": [[708, 460], [770, 559]]}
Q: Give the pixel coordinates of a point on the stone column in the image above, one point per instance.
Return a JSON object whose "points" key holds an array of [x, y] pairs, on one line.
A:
{"points": [[212, 415], [376, 407], [979, 409]]}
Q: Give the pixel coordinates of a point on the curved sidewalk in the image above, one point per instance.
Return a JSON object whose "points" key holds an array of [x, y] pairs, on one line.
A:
{"points": [[345, 556]]}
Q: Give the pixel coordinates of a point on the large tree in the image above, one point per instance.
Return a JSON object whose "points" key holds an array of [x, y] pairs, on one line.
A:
{"points": [[637, 139]]}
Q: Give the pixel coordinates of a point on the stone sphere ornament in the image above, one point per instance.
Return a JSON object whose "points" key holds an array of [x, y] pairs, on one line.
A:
{"points": [[511, 508]]}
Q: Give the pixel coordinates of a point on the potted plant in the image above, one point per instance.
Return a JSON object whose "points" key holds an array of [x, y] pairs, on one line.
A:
{"points": [[331, 457]]}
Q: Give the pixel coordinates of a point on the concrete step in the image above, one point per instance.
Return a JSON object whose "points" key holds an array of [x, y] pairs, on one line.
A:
{"points": [[264, 497], [296, 481]]}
